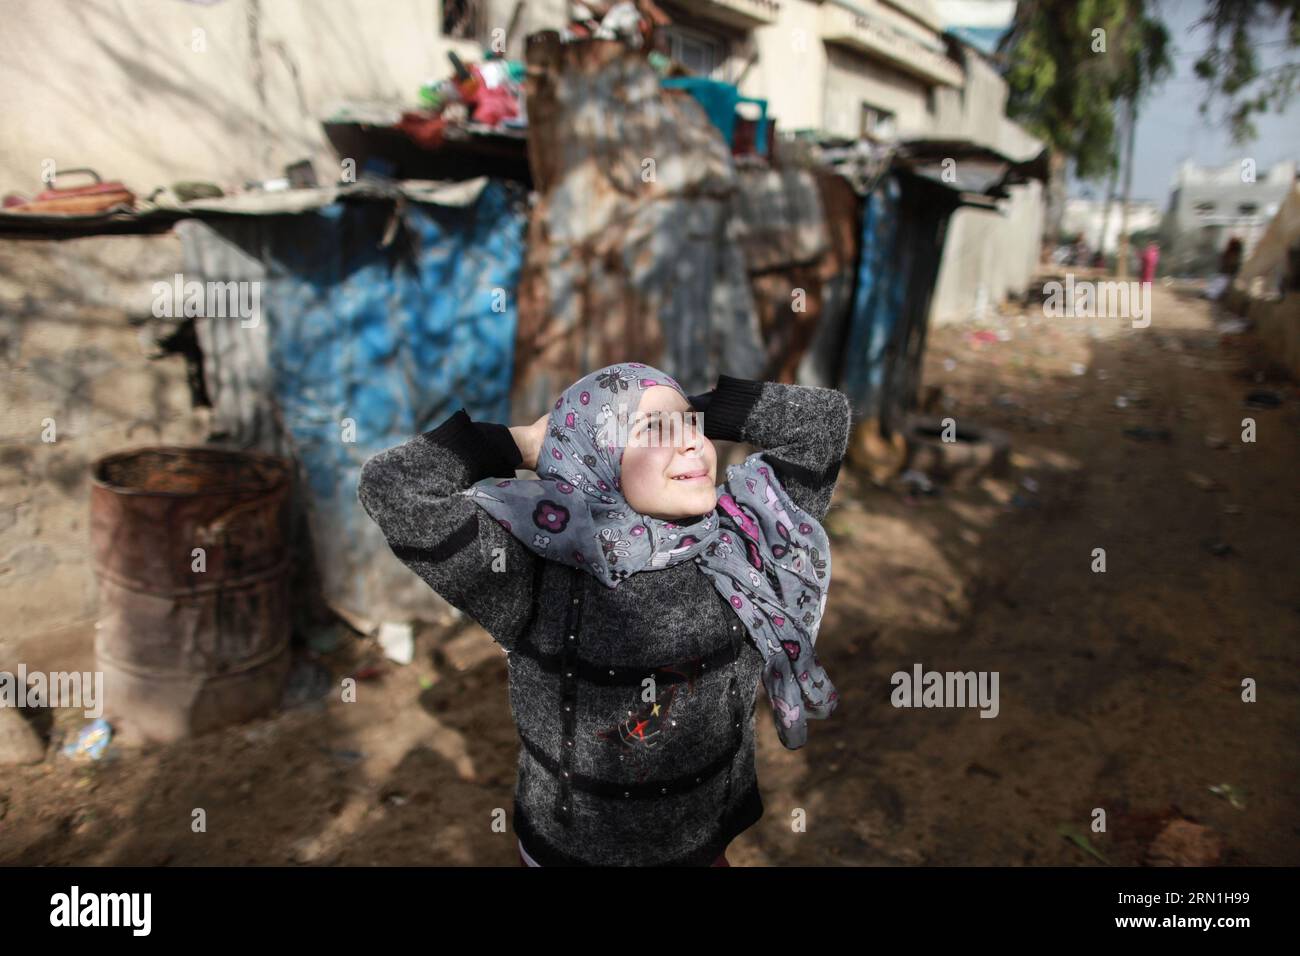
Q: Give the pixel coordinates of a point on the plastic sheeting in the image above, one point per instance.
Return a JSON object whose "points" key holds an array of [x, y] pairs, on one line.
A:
{"points": [[903, 228], [372, 329]]}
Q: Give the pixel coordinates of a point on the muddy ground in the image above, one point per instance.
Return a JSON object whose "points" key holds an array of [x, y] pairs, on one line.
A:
{"points": [[1118, 690]]}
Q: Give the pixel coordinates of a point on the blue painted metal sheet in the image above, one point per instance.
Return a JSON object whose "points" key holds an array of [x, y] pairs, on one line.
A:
{"points": [[877, 302], [361, 346]]}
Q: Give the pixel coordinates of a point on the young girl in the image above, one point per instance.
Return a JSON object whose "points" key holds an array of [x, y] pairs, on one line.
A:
{"points": [[638, 600]]}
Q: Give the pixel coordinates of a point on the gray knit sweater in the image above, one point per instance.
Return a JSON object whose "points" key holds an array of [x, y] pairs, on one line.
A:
{"points": [[606, 777]]}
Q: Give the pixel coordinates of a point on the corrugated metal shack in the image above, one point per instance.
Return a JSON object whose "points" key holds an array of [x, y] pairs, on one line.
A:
{"points": [[383, 312], [380, 315]]}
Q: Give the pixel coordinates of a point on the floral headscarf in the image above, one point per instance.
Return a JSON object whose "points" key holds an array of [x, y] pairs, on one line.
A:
{"points": [[767, 557]]}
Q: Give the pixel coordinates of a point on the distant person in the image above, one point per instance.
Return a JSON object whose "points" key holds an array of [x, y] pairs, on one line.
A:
{"points": [[1150, 256], [1230, 261]]}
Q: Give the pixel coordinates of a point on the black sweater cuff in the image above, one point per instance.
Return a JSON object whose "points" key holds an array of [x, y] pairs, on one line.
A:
{"points": [[728, 406], [488, 448]]}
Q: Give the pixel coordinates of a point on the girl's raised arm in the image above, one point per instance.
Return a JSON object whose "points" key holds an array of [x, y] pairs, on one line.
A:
{"points": [[411, 492], [803, 430]]}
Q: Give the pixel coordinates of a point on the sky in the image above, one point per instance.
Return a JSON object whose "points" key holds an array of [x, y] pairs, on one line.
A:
{"points": [[1170, 128]]}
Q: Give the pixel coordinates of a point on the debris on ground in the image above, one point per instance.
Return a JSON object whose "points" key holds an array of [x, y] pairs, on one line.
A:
{"points": [[1184, 843], [1230, 793], [308, 684], [1262, 398], [917, 482], [1143, 433], [1080, 839], [92, 741], [398, 641]]}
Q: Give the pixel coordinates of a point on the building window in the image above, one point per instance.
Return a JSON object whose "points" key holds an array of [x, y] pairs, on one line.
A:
{"points": [[1247, 209], [876, 122], [702, 54], [462, 19], [1204, 208]]}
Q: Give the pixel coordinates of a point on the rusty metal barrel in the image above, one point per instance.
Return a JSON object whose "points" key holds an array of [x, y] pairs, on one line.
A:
{"points": [[191, 551]]}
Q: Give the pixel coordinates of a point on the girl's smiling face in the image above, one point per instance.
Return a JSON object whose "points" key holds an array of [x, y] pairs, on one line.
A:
{"points": [[669, 467]]}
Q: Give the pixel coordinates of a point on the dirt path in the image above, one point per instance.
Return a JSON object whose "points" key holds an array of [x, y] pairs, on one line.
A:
{"points": [[1118, 691]]}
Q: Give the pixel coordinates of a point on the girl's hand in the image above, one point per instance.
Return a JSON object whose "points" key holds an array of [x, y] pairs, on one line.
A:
{"points": [[529, 439]]}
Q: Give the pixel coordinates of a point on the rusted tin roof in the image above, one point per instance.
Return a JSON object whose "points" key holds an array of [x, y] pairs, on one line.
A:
{"points": [[630, 249]]}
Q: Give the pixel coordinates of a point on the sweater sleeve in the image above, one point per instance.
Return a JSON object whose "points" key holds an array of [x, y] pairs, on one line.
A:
{"points": [[803, 429], [410, 491]]}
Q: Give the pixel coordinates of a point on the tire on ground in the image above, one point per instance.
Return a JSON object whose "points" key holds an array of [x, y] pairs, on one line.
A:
{"points": [[975, 452]]}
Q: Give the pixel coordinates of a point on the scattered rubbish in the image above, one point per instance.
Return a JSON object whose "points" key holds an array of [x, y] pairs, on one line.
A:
{"points": [[1143, 433], [1217, 285], [1204, 482], [362, 625], [308, 683], [1078, 368], [917, 482], [1184, 843], [425, 682], [1231, 326], [981, 337], [190, 190], [301, 175], [1121, 401], [395, 800], [1229, 793], [398, 641], [326, 638], [1232, 509], [1080, 839], [369, 672], [98, 197], [91, 741], [949, 365], [1262, 398], [1029, 484], [347, 756], [260, 733]]}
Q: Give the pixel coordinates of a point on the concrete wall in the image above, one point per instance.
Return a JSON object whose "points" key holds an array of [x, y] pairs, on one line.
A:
{"points": [[154, 91], [1194, 239], [988, 256], [852, 79], [791, 66], [70, 354]]}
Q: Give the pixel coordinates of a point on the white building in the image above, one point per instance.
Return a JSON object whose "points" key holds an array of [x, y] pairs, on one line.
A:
{"points": [[1087, 218], [1211, 205]]}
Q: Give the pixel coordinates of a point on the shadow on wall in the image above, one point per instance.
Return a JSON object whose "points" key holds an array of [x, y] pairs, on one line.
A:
{"points": [[162, 90]]}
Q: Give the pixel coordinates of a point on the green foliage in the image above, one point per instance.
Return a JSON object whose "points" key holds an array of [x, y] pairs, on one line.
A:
{"points": [[1063, 86], [1230, 65]]}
